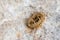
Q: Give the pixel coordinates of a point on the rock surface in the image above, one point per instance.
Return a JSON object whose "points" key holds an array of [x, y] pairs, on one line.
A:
{"points": [[14, 13]]}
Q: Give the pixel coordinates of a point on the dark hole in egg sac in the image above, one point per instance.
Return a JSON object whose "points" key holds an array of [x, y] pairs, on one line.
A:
{"points": [[37, 20], [39, 16], [31, 23]]}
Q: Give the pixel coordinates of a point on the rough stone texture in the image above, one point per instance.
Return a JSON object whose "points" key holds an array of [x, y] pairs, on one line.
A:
{"points": [[14, 13]]}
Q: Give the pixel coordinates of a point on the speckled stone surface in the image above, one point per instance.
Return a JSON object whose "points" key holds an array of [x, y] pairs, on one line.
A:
{"points": [[14, 13]]}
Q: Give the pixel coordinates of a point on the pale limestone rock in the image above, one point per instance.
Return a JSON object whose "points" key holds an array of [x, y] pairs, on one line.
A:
{"points": [[14, 14]]}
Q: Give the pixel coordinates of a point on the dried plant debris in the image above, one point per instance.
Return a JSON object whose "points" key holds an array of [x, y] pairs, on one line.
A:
{"points": [[36, 20]]}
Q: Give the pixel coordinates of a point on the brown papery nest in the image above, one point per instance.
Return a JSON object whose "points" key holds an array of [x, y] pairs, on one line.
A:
{"points": [[36, 20]]}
